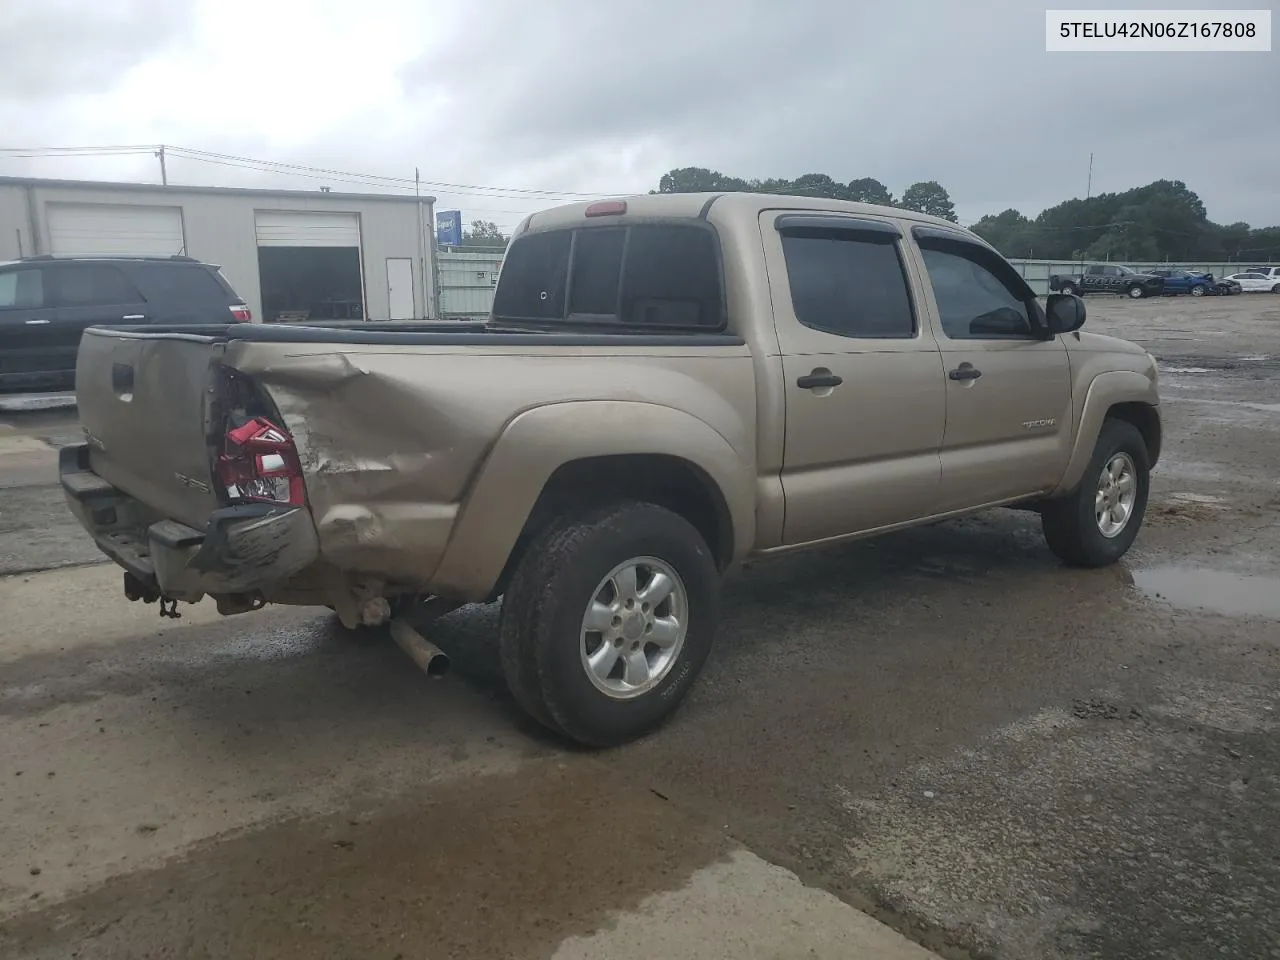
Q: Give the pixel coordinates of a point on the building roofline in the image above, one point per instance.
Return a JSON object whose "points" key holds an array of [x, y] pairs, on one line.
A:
{"points": [[175, 188]]}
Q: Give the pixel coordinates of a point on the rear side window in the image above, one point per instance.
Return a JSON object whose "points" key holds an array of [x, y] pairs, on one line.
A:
{"points": [[672, 277], [90, 285], [849, 286], [535, 274], [654, 275], [182, 282], [21, 289]]}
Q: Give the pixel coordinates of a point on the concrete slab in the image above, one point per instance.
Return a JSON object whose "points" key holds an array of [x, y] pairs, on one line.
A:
{"points": [[744, 907]]}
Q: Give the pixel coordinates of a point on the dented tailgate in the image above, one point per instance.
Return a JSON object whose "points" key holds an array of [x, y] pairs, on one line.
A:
{"points": [[142, 399]]}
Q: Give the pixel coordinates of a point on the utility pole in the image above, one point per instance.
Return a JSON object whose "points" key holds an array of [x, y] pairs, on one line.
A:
{"points": [[164, 173], [422, 247], [1088, 191]]}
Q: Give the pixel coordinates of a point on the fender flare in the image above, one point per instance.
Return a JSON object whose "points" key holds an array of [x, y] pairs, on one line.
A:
{"points": [[539, 441], [1105, 391]]}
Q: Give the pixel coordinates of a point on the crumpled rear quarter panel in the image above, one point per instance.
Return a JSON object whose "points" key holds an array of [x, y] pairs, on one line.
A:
{"points": [[390, 438]]}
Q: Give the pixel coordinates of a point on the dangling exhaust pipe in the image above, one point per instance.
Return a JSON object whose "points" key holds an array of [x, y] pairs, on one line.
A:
{"points": [[433, 661]]}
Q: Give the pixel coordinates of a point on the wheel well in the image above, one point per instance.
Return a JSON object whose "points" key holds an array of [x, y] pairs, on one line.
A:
{"points": [[1143, 416], [671, 482]]}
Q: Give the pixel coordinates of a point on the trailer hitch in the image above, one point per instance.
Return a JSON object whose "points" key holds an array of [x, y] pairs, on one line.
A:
{"points": [[136, 589]]}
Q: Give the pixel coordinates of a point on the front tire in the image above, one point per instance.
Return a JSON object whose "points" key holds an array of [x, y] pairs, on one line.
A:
{"points": [[608, 621], [1069, 289], [1096, 525], [1276, 288], [1136, 292], [1198, 290]]}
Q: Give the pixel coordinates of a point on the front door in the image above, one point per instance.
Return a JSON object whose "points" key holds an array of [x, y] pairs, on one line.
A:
{"points": [[25, 321], [1008, 432], [863, 376]]}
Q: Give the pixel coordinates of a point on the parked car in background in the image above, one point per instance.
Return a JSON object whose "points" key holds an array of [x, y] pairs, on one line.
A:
{"points": [[1178, 281], [1271, 273], [1108, 278], [1256, 282], [1226, 287], [46, 303]]}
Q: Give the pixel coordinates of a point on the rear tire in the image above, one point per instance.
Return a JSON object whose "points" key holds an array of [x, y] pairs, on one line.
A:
{"points": [[580, 641], [1084, 529]]}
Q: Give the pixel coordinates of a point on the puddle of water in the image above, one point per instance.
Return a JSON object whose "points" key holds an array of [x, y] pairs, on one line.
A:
{"points": [[1218, 591]]}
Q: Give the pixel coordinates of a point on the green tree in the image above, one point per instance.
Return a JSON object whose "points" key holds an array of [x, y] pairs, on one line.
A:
{"points": [[698, 180], [1163, 220], [817, 185], [869, 190], [1233, 239], [929, 197], [1009, 232], [483, 233]]}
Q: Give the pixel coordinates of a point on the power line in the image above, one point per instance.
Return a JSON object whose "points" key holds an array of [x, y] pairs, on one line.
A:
{"points": [[453, 187], [305, 170]]}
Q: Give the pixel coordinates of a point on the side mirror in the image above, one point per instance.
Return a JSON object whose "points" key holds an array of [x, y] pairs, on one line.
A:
{"points": [[1064, 313]]}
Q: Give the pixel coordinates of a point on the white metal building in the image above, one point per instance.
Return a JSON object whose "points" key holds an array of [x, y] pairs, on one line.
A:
{"points": [[292, 254]]}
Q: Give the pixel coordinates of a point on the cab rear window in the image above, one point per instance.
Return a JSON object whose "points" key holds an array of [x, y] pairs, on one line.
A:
{"points": [[649, 275]]}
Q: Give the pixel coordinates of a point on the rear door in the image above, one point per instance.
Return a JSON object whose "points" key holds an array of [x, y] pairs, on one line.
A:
{"points": [[1008, 407], [25, 320], [178, 292], [865, 405], [1095, 278], [84, 293]]}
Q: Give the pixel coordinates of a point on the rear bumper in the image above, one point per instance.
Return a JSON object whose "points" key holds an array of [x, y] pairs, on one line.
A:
{"points": [[243, 549]]}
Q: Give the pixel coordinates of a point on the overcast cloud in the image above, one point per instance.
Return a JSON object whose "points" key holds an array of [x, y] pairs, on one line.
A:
{"points": [[573, 96]]}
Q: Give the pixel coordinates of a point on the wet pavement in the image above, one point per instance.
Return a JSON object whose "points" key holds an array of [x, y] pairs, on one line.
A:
{"points": [[944, 730]]}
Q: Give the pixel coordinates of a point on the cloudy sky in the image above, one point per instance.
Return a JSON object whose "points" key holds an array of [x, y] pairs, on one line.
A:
{"points": [[518, 104]]}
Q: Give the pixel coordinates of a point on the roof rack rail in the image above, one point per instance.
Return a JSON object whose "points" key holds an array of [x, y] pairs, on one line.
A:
{"points": [[180, 257]]}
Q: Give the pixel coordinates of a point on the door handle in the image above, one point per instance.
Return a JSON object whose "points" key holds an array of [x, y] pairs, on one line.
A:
{"points": [[816, 381], [134, 316], [965, 372]]}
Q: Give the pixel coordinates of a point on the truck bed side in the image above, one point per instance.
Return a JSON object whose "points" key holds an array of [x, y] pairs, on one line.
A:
{"points": [[391, 437]]}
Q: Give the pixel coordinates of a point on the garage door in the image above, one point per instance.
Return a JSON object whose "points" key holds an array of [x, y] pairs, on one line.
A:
{"points": [[305, 229], [109, 229]]}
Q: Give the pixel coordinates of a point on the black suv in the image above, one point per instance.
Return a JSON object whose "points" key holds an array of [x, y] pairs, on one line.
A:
{"points": [[47, 302]]}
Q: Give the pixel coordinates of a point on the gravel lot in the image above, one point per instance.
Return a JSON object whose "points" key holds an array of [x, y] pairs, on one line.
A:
{"points": [[945, 729]]}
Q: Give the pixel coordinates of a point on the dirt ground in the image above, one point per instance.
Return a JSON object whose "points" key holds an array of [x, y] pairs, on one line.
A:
{"points": [[945, 729]]}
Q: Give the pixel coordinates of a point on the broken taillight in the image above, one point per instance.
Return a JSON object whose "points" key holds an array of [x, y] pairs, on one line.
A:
{"points": [[259, 462]]}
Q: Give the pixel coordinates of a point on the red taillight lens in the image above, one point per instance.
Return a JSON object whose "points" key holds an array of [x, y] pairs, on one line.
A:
{"points": [[241, 314], [259, 462]]}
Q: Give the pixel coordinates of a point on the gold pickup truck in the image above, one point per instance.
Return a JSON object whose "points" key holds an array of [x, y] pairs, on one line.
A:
{"points": [[667, 386]]}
